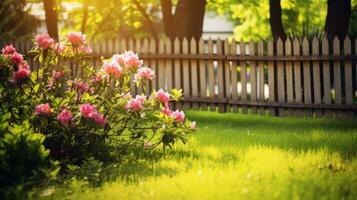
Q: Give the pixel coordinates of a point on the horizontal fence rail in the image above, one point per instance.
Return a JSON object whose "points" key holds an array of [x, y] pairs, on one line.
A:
{"points": [[283, 78]]}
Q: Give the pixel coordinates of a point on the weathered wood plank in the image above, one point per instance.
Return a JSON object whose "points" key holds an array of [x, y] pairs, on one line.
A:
{"points": [[153, 63], [316, 75], [280, 74], [289, 76], [177, 70], [202, 76], [211, 77], [326, 77], [186, 74], [227, 75], [348, 76], [337, 76], [194, 72], [307, 77], [234, 79], [261, 81], [220, 75], [243, 76], [161, 65], [253, 77], [271, 78], [297, 76]]}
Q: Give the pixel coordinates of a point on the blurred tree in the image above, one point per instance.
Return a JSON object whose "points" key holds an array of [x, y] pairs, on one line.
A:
{"points": [[51, 18], [353, 21], [16, 22], [252, 18], [338, 18], [276, 24], [187, 21]]}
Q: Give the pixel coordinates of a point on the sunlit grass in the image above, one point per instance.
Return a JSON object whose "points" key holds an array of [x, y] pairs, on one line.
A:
{"points": [[245, 157]]}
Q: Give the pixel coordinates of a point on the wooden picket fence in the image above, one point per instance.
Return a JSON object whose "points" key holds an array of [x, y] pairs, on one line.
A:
{"points": [[291, 78]]}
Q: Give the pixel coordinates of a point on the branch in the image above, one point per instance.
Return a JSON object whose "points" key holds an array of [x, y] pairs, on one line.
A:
{"points": [[147, 18]]}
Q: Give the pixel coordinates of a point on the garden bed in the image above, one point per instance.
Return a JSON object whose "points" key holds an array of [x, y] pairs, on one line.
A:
{"points": [[236, 156]]}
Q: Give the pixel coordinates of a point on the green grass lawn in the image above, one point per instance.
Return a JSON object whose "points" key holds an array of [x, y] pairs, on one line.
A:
{"points": [[236, 156]]}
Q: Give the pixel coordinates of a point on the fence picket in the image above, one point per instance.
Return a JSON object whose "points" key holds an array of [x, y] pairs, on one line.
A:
{"points": [[145, 50], [261, 85], [289, 75], [297, 76], [337, 75], [307, 76], [253, 77], [348, 75], [153, 63], [326, 76], [161, 65], [211, 77], [316, 75], [280, 74], [220, 74], [243, 77], [186, 74], [194, 73], [227, 75], [234, 80], [202, 77], [271, 78], [177, 69]]}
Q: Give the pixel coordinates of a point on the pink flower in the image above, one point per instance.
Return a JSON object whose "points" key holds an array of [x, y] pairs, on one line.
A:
{"points": [[17, 58], [82, 87], [57, 74], [43, 109], [179, 116], [144, 73], [98, 118], [87, 109], [23, 65], [136, 104], [132, 60], [84, 49], [162, 96], [97, 78], [128, 60], [77, 39], [166, 111], [44, 41], [193, 125], [8, 50], [112, 68], [147, 145], [59, 48], [65, 117], [21, 74]]}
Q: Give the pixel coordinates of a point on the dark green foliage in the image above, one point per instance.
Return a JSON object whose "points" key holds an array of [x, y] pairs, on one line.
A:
{"points": [[15, 21]]}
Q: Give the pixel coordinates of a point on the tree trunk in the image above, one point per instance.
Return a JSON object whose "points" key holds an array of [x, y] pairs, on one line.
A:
{"points": [[84, 18], [276, 23], [187, 20], [51, 18], [338, 18]]}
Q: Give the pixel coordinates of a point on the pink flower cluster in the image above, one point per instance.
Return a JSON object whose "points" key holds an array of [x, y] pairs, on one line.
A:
{"points": [[112, 68], [23, 71], [43, 109], [44, 41], [90, 112], [57, 74], [162, 96], [81, 87], [179, 116], [77, 39], [144, 73], [65, 117], [136, 104], [129, 60]]}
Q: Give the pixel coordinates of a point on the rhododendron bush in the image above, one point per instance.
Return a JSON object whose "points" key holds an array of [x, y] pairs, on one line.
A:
{"points": [[85, 111]]}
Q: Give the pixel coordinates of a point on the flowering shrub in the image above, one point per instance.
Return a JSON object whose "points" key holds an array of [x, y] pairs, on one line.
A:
{"points": [[84, 111]]}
